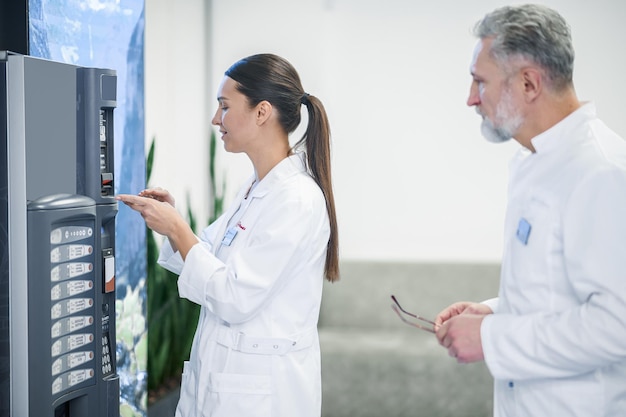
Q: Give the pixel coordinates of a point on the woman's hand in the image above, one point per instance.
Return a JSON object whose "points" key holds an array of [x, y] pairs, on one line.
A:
{"points": [[159, 215], [156, 206], [158, 194]]}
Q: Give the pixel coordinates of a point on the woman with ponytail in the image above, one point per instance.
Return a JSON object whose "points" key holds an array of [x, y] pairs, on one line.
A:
{"points": [[257, 272]]}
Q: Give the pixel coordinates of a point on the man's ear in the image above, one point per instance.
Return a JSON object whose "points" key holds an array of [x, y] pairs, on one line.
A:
{"points": [[533, 83], [263, 112]]}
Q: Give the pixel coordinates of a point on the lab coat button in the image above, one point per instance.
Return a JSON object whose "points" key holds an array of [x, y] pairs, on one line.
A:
{"points": [[275, 346], [511, 384], [255, 345]]}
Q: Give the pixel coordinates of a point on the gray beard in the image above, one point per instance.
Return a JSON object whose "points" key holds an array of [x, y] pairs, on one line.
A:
{"points": [[507, 118], [494, 134]]}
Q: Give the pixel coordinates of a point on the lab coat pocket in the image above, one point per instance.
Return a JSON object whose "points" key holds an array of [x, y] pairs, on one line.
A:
{"points": [[531, 247], [580, 396], [240, 395], [187, 399]]}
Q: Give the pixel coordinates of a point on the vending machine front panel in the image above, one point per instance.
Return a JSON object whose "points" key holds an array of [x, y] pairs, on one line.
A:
{"points": [[57, 260], [62, 324]]}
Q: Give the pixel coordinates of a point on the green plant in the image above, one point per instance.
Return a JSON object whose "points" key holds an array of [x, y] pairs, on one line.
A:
{"points": [[217, 196], [172, 320]]}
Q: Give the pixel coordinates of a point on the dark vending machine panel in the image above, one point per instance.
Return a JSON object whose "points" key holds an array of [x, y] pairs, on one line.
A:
{"points": [[97, 89], [62, 346], [106, 292], [97, 93], [106, 171]]}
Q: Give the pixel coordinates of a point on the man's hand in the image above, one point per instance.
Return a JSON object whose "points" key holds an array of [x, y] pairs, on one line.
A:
{"points": [[458, 330], [461, 336], [462, 307]]}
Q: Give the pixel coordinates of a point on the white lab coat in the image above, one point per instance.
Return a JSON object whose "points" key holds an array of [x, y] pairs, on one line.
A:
{"points": [[556, 344], [256, 348]]}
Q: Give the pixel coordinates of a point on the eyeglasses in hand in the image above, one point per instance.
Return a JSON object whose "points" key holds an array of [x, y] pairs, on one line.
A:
{"points": [[399, 311]]}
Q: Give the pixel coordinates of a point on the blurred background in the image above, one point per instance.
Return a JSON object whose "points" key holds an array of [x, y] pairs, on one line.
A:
{"points": [[420, 194], [414, 179]]}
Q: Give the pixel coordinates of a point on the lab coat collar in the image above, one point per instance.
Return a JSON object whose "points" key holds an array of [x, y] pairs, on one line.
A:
{"points": [[290, 166], [557, 135]]}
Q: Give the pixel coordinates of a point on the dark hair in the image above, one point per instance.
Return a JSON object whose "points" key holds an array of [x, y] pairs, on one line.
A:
{"points": [[535, 32], [272, 78]]}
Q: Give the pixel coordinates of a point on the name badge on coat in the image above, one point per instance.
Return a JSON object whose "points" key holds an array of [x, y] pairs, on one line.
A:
{"points": [[523, 230], [229, 236]]}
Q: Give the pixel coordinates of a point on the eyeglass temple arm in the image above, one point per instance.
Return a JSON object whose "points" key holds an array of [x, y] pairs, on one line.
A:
{"points": [[419, 326], [393, 297]]}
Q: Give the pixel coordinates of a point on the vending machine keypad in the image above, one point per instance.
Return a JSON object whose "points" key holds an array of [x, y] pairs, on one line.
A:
{"points": [[72, 285]]}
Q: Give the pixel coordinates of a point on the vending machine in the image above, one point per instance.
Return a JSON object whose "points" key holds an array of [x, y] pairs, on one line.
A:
{"points": [[57, 246]]}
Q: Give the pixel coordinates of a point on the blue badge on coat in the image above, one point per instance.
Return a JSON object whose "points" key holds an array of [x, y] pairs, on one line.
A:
{"points": [[523, 230], [229, 236]]}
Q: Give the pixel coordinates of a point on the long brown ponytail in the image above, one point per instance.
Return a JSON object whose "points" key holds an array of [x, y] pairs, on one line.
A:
{"points": [[272, 78], [317, 140]]}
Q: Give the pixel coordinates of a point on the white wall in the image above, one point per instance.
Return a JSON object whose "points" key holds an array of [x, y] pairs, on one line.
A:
{"points": [[414, 180], [177, 50]]}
